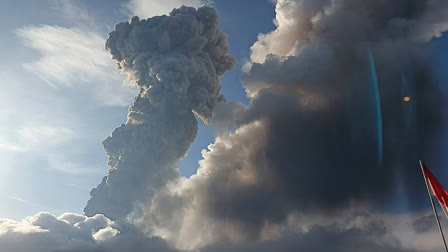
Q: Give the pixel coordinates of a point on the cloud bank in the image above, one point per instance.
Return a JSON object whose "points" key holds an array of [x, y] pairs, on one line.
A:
{"points": [[69, 232], [307, 142], [72, 232]]}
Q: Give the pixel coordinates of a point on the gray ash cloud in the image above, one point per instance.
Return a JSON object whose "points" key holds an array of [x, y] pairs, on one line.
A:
{"points": [[176, 61], [307, 142]]}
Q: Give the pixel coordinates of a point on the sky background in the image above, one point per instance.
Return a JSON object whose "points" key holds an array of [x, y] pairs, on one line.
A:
{"points": [[61, 88]]}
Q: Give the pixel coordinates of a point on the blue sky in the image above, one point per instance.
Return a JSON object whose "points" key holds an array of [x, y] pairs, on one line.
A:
{"points": [[56, 97]]}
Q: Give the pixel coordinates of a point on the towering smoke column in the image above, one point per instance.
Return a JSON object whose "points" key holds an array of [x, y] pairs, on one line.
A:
{"points": [[305, 148], [176, 62]]}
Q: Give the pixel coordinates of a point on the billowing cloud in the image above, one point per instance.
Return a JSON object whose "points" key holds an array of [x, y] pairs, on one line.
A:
{"points": [[309, 21], [308, 141], [176, 61], [358, 233], [4, 145]]}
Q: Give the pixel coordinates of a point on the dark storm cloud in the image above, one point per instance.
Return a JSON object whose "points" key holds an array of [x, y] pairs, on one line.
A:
{"points": [[176, 61], [314, 69], [326, 155], [368, 239], [307, 142]]}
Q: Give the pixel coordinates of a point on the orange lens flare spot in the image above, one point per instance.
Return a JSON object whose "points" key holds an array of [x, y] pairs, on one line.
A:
{"points": [[407, 99]]}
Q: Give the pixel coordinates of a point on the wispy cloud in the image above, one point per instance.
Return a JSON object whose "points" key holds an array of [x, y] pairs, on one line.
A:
{"points": [[68, 55], [16, 197], [37, 139], [47, 134], [4, 145], [58, 163]]}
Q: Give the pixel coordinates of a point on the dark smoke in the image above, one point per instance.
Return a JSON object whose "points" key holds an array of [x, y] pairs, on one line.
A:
{"points": [[176, 61], [307, 142]]}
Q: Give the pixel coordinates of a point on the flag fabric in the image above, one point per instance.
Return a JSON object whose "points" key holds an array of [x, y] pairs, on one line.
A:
{"points": [[436, 189]]}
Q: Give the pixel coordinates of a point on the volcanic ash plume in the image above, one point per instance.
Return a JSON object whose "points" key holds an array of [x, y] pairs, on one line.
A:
{"points": [[307, 144], [176, 62]]}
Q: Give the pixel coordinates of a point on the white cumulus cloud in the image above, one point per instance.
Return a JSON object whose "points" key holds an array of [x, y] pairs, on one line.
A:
{"points": [[45, 232]]}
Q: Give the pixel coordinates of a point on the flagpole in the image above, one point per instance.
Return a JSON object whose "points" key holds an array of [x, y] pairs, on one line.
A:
{"points": [[433, 206]]}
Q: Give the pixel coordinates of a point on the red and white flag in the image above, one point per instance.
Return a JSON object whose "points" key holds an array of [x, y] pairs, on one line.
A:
{"points": [[436, 189]]}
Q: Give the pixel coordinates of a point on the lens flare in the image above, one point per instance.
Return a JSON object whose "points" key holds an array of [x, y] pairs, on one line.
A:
{"points": [[378, 107]]}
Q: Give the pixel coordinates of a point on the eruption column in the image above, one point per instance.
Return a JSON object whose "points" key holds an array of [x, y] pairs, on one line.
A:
{"points": [[176, 62]]}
